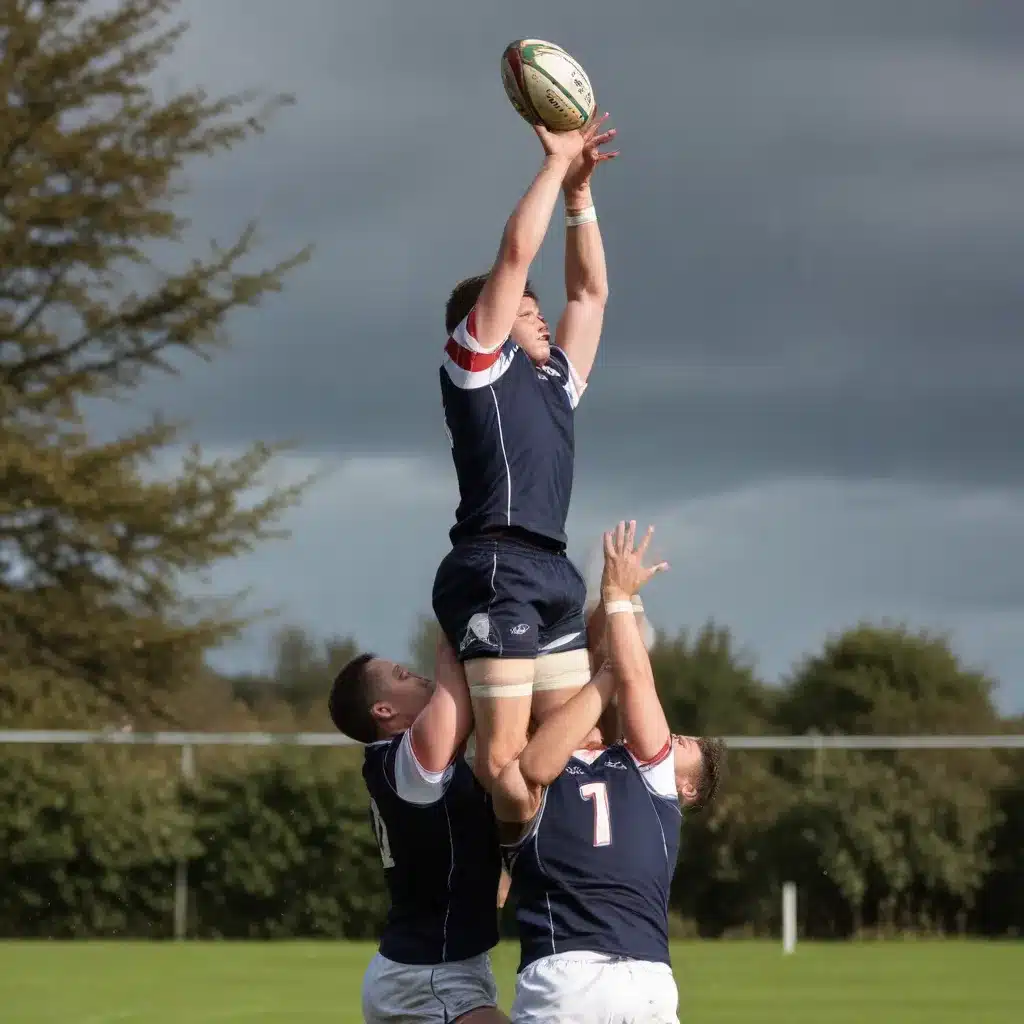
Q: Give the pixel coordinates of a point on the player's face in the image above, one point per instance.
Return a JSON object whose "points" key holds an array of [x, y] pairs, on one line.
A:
{"points": [[401, 693], [688, 763], [531, 332]]}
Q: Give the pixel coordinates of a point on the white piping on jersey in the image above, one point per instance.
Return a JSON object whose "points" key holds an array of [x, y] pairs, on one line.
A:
{"points": [[494, 590], [534, 833], [535, 828], [504, 455], [451, 873], [651, 794]]}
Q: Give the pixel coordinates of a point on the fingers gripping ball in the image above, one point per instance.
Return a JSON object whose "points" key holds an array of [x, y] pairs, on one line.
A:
{"points": [[546, 85]]}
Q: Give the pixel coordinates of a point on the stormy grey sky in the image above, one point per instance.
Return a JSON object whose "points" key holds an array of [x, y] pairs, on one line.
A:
{"points": [[812, 374]]}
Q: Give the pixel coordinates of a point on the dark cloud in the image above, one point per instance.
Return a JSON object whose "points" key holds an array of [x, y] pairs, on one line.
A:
{"points": [[815, 236]]}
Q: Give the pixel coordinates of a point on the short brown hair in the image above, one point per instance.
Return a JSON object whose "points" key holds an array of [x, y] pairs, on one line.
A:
{"points": [[712, 765], [463, 299], [351, 700]]}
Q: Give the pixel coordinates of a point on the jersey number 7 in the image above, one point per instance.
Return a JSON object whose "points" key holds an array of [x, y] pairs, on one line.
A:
{"points": [[381, 833], [598, 793]]}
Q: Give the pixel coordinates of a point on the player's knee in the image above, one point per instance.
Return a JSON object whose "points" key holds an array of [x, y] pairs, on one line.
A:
{"points": [[494, 757], [501, 690]]}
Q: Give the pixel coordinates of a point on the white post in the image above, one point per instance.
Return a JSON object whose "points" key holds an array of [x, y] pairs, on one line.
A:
{"points": [[788, 917], [188, 770]]}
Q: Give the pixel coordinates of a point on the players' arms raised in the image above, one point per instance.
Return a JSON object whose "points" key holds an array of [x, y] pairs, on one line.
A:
{"points": [[643, 719], [520, 786], [586, 273], [498, 305], [443, 725]]}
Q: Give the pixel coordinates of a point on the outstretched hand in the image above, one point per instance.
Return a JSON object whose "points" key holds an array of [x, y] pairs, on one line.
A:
{"points": [[578, 175], [624, 570]]}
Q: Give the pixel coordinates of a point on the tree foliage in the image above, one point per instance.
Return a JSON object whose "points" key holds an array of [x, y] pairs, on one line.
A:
{"points": [[100, 284], [279, 841], [299, 677], [423, 646]]}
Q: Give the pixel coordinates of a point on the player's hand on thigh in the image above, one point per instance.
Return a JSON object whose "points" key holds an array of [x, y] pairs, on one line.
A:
{"points": [[624, 570]]}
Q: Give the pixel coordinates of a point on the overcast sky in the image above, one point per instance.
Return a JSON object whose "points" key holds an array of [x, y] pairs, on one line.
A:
{"points": [[812, 373]]}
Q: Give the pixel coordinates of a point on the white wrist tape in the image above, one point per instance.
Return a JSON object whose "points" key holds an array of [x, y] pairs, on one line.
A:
{"points": [[638, 605], [618, 608], [587, 216]]}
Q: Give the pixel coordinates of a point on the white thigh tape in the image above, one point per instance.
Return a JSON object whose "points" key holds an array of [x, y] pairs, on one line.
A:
{"points": [[567, 669], [574, 681], [501, 690]]}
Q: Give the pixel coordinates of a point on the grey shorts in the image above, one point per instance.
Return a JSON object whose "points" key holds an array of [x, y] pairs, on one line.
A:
{"points": [[434, 993]]}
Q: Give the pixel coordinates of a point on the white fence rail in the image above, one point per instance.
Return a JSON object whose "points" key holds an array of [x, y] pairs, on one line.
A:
{"points": [[1009, 741], [186, 742]]}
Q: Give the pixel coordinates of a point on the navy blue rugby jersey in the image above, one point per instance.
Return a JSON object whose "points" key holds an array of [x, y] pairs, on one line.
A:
{"points": [[594, 869], [510, 424], [439, 845]]}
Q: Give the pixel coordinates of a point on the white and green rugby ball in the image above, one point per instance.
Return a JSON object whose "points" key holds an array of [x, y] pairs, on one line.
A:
{"points": [[546, 85]]}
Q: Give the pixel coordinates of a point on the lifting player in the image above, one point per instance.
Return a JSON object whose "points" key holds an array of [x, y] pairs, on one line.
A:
{"points": [[593, 910], [438, 842], [506, 596]]}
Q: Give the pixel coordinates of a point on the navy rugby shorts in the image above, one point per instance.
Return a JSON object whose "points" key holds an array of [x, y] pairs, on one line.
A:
{"points": [[500, 597]]}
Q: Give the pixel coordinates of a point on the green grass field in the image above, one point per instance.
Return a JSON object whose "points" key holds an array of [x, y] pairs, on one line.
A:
{"points": [[720, 983]]}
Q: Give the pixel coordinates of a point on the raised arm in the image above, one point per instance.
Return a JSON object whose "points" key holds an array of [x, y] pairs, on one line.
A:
{"points": [[444, 724], [597, 623], [498, 305], [520, 786], [586, 273], [641, 715]]}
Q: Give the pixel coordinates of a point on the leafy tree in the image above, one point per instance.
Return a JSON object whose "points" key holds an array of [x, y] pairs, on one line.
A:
{"points": [[303, 669], [707, 686], [292, 694], [1000, 905], [888, 680], [888, 838], [94, 547], [423, 646]]}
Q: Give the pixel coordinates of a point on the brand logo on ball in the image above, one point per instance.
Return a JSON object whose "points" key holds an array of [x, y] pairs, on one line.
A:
{"points": [[546, 85]]}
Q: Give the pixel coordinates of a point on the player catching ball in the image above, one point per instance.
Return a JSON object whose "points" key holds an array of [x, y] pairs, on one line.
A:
{"points": [[507, 597]]}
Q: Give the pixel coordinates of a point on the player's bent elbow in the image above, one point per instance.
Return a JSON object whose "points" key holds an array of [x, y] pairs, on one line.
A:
{"points": [[536, 772]]}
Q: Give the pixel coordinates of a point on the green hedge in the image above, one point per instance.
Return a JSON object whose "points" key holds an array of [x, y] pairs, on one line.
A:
{"points": [[89, 840], [279, 845], [286, 849]]}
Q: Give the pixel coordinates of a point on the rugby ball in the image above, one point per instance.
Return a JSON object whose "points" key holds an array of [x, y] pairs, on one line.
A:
{"points": [[546, 85]]}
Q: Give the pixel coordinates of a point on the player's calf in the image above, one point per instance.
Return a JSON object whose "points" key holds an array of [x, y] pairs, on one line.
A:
{"points": [[501, 690]]}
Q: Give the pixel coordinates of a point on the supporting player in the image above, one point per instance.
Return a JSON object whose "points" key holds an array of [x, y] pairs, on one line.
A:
{"points": [[506, 596], [438, 843], [593, 910]]}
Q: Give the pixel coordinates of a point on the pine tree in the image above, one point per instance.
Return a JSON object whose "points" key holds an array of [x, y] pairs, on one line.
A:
{"points": [[95, 546]]}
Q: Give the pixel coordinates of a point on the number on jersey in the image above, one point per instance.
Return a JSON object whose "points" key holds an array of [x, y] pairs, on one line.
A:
{"points": [[381, 832], [598, 793]]}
